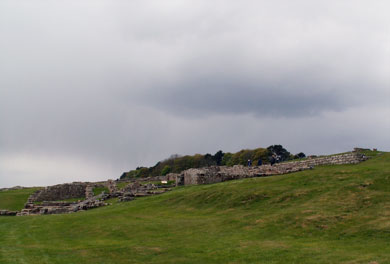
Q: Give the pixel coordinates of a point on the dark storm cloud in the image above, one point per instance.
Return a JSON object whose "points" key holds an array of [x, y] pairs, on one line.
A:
{"points": [[282, 59], [225, 95]]}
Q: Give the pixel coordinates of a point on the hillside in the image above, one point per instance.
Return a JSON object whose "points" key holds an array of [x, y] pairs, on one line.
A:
{"points": [[15, 199], [332, 214]]}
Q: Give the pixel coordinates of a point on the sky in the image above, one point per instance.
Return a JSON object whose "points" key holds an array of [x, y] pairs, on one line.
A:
{"points": [[92, 88]]}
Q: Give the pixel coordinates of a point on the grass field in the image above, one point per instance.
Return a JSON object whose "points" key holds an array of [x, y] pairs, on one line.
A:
{"points": [[14, 200], [121, 185], [99, 190], [332, 214]]}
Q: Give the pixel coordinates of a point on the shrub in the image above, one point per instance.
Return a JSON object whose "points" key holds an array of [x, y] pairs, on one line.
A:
{"points": [[166, 170]]}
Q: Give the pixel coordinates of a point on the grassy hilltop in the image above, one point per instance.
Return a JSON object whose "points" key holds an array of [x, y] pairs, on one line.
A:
{"points": [[332, 214]]}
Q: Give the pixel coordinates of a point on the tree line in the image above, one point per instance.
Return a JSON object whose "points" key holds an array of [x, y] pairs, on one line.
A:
{"points": [[176, 163]]}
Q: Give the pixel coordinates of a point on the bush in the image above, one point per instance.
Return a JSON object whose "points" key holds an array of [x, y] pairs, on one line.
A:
{"points": [[226, 159], [166, 170]]}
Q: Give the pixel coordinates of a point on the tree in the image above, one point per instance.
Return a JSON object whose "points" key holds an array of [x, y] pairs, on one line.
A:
{"points": [[280, 151], [124, 176], [176, 163], [261, 153], [218, 157], [143, 172], [166, 170], [300, 155], [209, 160], [226, 159], [246, 155]]}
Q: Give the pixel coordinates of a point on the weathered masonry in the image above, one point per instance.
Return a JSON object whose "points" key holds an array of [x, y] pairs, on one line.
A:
{"points": [[60, 192], [216, 174], [52, 199]]}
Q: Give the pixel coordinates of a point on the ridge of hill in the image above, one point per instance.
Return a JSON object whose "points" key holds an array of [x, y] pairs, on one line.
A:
{"points": [[177, 163], [332, 214]]}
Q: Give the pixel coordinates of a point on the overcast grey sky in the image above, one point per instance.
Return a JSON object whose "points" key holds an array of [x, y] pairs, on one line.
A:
{"points": [[89, 89]]}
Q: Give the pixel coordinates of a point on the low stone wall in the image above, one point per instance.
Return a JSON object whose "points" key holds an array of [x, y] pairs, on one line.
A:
{"points": [[7, 213], [63, 207], [111, 185], [178, 178], [147, 179], [216, 174], [348, 158], [12, 188], [171, 176], [59, 192]]}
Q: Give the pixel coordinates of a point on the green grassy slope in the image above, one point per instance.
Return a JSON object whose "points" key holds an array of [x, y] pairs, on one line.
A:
{"points": [[332, 214], [14, 200]]}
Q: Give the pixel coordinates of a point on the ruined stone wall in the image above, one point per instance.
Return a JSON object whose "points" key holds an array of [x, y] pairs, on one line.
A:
{"points": [[60, 192], [202, 175], [7, 213], [216, 174], [147, 179], [171, 176], [348, 158]]}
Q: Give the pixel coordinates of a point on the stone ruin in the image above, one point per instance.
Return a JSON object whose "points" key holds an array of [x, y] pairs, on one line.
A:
{"points": [[49, 200], [60, 192], [7, 213], [214, 174], [136, 189]]}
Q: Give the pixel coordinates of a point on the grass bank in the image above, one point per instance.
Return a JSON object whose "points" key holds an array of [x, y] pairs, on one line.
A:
{"points": [[14, 200], [332, 214]]}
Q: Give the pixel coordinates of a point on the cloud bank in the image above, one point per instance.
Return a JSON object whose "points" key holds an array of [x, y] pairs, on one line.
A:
{"points": [[111, 85]]}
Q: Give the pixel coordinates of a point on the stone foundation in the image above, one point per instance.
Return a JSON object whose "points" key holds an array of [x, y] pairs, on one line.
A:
{"points": [[53, 195], [63, 207], [136, 189]]}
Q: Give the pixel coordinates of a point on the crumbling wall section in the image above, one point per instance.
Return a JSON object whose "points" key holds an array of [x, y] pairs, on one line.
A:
{"points": [[7, 213], [60, 192]]}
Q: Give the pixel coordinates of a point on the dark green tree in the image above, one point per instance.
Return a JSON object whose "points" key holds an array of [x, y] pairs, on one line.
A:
{"points": [[218, 157], [167, 169], [280, 151], [300, 155]]}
